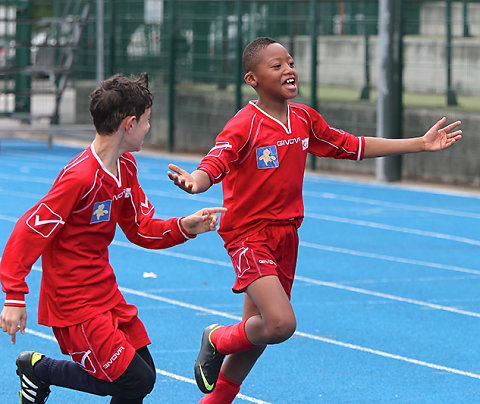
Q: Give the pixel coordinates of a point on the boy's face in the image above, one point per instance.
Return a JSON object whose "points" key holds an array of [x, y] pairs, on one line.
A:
{"points": [[138, 130], [274, 76]]}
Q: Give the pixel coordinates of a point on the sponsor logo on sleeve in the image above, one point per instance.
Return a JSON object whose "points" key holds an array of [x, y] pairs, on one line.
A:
{"points": [[219, 147], [267, 157], [305, 143], [44, 220], [101, 212]]}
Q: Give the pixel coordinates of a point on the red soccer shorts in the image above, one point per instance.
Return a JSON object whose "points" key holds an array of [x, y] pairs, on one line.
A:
{"points": [[105, 345], [272, 250]]}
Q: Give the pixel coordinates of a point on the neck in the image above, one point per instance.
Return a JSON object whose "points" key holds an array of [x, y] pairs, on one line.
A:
{"points": [[107, 150], [278, 110]]}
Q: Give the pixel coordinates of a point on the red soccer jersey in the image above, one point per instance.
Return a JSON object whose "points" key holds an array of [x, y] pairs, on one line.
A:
{"points": [[71, 228], [262, 162]]}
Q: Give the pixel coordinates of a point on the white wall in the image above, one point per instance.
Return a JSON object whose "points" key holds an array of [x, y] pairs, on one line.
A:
{"points": [[341, 63]]}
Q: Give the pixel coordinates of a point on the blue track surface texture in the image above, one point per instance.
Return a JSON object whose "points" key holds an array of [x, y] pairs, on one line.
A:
{"points": [[386, 294]]}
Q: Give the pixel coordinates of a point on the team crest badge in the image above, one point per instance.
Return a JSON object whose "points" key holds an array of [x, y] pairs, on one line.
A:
{"points": [[101, 212], [267, 157]]}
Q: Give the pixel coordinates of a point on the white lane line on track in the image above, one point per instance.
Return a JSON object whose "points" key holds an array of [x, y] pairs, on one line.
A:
{"points": [[159, 371], [303, 244], [317, 216], [311, 336], [304, 279], [26, 178], [387, 204], [301, 278], [191, 381], [389, 355], [40, 334], [347, 345], [298, 333], [388, 296], [383, 226], [417, 189], [389, 258], [17, 194], [323, 195], [9, 218], [375, 225], [179, 303], [169, 253]]}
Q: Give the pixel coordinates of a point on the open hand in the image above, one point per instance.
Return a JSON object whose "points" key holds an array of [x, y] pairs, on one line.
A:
{"points": [[438, 138], [202, 221], [10, 318], [182, 179]]}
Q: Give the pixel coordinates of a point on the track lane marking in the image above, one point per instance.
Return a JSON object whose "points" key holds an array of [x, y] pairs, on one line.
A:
{"points": [[159, 371]]}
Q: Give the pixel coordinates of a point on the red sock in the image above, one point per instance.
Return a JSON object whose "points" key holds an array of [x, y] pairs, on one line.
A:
{"points": [[231, 339], [224, 393]]}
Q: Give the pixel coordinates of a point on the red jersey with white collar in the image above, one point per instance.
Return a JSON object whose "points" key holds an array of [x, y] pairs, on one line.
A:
{"points": [[71, 228], [262, 162]]}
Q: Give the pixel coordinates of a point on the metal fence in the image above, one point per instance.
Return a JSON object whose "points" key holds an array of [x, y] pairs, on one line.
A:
{"points": [[199, 42], [192, 51]]}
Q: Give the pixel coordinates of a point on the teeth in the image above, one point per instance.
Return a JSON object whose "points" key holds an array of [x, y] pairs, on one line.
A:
{"points": [[290, 81]]}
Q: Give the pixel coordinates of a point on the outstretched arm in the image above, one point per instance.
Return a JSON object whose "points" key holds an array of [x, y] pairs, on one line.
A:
{"points": [[436, 138], [202, 221], [194, 183]]}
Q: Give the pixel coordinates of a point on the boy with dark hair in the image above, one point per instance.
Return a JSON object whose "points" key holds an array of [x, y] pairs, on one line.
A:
{"points": [[71, 228], [260, 156]]}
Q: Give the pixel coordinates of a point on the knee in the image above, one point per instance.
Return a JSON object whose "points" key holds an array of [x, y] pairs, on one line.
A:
{"points": [[136, 382], [146, 382], [281, 329]]}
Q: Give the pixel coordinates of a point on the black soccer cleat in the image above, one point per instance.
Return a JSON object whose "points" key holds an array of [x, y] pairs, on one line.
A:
{"points": [[208, 363], [32, 390]]}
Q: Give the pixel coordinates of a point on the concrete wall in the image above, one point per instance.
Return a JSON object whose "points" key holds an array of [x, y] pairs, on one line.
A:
{"points": [[200, 116], [341, 63], [433, 18]]}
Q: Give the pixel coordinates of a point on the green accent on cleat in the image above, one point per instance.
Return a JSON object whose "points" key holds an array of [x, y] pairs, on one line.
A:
{"points": [[209, 362]]}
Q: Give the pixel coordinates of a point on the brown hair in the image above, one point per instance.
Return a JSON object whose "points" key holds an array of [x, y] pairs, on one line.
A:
{"points": [[119, 97]]}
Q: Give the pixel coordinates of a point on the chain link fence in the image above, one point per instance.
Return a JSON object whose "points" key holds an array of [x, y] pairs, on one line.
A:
{"points": [[192, 52]]}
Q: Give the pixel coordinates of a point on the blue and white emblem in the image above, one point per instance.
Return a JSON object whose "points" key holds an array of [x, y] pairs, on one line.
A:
{"points": [[101, 212], [267, 157]]}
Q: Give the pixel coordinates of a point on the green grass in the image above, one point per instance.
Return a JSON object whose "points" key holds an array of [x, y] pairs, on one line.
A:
{"points": [[410, 100], [352, 95]]}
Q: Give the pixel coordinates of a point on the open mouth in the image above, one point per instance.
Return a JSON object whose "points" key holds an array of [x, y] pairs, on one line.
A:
{"points": [[290, 84]]}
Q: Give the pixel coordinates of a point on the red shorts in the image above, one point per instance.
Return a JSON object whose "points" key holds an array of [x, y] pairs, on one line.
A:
{"points": [[105, 345], [272, 250]]}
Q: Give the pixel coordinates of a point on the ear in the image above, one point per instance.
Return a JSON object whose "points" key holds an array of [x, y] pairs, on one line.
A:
{"points": [[128, 123], [250, 79]]}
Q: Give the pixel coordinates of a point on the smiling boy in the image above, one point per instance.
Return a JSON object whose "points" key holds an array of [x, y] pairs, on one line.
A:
{"points": [[260, 157], [71, 228]]}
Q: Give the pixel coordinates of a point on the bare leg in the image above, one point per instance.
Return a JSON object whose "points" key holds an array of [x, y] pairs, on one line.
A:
{"points": [[271, 320]]}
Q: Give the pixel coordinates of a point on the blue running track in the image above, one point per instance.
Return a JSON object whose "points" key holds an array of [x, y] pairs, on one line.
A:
{"points": [[387, 294]]}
